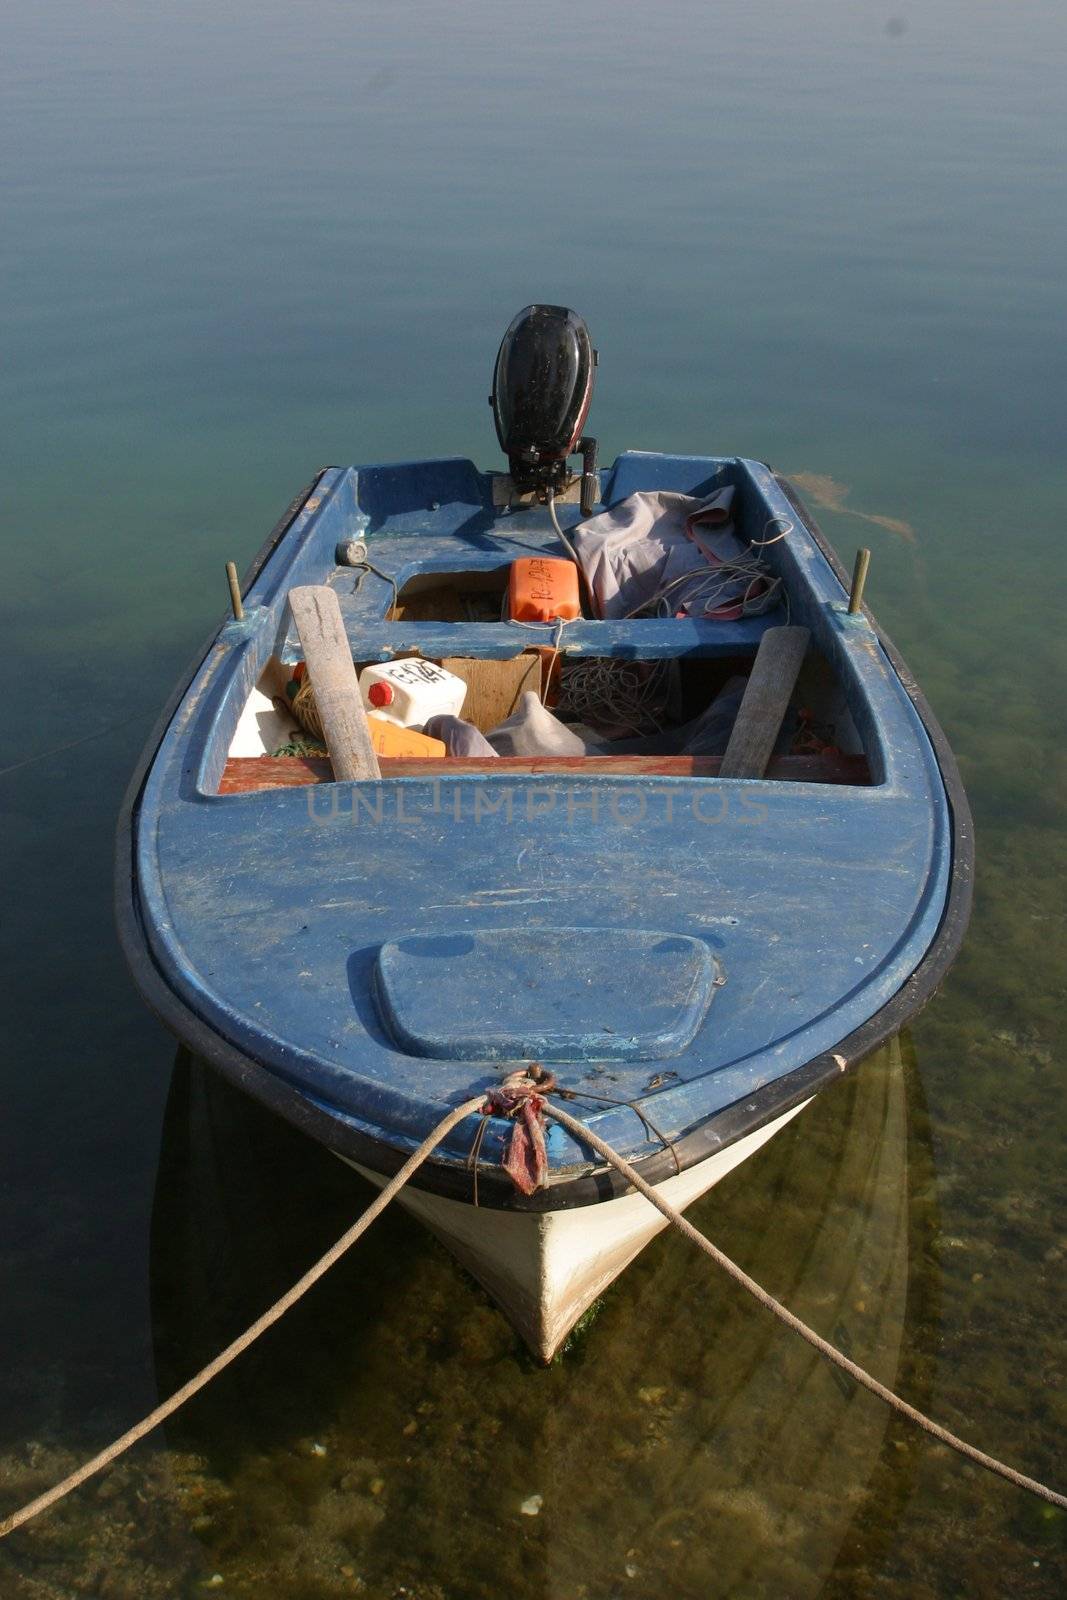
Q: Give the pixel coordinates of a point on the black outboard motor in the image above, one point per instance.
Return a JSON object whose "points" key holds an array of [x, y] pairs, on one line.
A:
{"points": [[542, 386]]}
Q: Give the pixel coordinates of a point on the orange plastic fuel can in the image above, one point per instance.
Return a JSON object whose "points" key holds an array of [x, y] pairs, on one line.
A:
{"points": [[390, 740], [541, 588]]}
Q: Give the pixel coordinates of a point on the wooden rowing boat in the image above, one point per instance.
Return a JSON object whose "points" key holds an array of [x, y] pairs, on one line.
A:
{"points": [[692, 955]]}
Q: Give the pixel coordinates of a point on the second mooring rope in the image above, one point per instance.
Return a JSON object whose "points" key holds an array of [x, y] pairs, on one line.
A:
{"points": [[817, 1342]]}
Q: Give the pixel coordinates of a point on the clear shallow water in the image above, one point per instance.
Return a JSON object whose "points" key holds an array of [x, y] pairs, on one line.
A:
{"points": [[241, 243]]}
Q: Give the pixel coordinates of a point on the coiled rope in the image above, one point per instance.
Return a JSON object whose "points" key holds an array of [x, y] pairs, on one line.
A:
{"points": [[586, 1136]]}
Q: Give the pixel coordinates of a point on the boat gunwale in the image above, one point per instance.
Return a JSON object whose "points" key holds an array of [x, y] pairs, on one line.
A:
{"points": [[566, 1190]]}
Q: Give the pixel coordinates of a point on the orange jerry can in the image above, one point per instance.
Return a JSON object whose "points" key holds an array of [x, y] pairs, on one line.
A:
{"points": [[390, 740], [542, 588]]}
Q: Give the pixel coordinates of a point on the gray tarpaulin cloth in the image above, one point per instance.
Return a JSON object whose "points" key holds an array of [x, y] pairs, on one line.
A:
{"points": [[460, 738], [532, 730], [630, 552]]}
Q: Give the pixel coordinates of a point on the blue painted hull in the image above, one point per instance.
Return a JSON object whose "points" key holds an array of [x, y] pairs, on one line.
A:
{"points": [[334, 949]]}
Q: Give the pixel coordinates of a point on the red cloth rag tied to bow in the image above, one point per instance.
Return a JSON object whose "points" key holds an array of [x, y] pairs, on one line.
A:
{"points": [[525, 1159]]}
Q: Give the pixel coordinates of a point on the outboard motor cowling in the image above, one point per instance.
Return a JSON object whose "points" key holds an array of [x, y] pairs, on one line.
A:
{"points": [[542, 387]]}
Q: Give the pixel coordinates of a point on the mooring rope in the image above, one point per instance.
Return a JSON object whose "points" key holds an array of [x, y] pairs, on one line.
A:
{"points": [[73, 744], [586, 1136], [167, 1408]]}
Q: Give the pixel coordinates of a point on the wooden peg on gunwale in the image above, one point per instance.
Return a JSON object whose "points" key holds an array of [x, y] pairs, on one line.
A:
{"points": [[235, 591], [859, 578]]}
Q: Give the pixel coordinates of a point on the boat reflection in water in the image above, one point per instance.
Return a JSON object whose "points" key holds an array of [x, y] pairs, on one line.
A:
{"points": [[392, 1430]]}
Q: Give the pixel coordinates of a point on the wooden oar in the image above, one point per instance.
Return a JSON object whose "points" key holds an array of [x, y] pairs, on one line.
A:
{"points": [[328, 656], [759, 719]]}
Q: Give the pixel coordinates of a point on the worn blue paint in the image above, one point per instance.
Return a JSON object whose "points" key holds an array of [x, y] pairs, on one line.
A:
{"points": [[652, 639], [268, 913]]}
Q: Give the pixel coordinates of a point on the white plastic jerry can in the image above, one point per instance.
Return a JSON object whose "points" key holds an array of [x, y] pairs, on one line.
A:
{"points": [[412, 691]]}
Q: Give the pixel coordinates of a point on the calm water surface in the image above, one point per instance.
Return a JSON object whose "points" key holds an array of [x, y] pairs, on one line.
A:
{"points": [[240, 241]]}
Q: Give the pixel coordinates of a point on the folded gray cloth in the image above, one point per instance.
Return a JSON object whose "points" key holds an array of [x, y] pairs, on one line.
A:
{"points": [[460, 738], [532, 730], [674, 553]]}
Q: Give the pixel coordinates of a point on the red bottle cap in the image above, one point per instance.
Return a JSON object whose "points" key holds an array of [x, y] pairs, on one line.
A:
{"points": [[380, 694]]}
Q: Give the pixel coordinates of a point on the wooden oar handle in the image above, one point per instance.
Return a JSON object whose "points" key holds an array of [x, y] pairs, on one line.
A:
{"points": [[328, 657], [770, 685]]}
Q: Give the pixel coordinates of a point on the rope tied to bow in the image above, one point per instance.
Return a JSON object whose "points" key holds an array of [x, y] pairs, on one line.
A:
{"points": [[520, 1098]]}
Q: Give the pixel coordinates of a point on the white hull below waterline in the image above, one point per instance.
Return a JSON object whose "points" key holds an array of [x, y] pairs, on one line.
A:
{"points": [[544, 1268]]}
